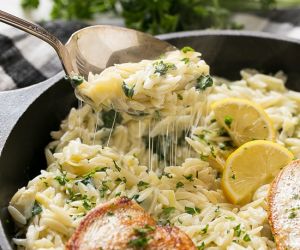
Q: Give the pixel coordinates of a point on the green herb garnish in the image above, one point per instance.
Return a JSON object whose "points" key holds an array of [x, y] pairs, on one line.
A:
{"points": [[128, 91], [180, 97], [203, 82], [62, 180], [292, 215], [192, 211], [167, 211], [201, 247], [111, 118], [228, 120], [237, 230], [36, 209], [189, 177], [86, 203], [179, 184], [246, 238], [187, 49], [230, 218], [142, 185], [162, 68], [296, 197], [204, 230], [75, 80], [185, 60], [141, 239], [103, 189]]}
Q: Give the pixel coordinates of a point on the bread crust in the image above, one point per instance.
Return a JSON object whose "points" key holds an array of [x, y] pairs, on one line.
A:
{"points": [[112, 226], [284, 207]]}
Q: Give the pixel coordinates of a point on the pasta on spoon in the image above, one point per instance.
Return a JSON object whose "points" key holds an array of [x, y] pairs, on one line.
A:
{"points": [[147, 86]]}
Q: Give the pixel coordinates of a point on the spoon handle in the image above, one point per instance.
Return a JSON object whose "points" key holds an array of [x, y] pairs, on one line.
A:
{"points": [[41, 33]]}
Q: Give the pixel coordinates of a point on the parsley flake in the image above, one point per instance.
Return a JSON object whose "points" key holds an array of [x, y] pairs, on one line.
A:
{"points": [[75, 80], [228, 120], [203, 82], [162, 68], [36, 209], [179, 184], [185, 60], [246, 238], [201, 247], [187, 49], [192, 211], [128, 91], [292, 215], [189, 177]]}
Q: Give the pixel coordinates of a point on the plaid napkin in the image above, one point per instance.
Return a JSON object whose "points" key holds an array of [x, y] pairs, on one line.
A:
{"points": [[25, 60]]}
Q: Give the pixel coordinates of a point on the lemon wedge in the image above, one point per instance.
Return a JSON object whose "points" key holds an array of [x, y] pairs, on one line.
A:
{"points": [[253, 164], [244, 120]]}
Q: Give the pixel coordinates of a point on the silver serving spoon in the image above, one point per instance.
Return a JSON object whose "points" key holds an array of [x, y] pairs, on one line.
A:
{"points": [[94, 48]]}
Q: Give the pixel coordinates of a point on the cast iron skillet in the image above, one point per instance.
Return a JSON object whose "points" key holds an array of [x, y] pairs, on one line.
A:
{"points": [[28, 115]]}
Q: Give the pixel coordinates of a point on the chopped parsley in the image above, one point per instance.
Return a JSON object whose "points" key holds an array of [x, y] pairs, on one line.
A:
{"points": [[86, 203], [292, 215], [87, 180], [201, 247], [192, 211], [36, 209], [162, 68], [204, 230], [187, 49], [75, 80], [119, 180], [237, 230], [296, 197], [128, 91], [135, 197], [179, 184], [109, 213], [142, 238], [185, 60], [246, 238], [142, 185], [230, 218], [233, 176], [139, 242], [167, 211], [203, 82], [62, 180], [110, 118], [179, 96], [103, 189], [189, 177], [228, 120]]}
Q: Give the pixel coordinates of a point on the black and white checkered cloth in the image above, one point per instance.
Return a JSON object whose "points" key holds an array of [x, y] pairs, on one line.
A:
{"points": [[26, 60]]}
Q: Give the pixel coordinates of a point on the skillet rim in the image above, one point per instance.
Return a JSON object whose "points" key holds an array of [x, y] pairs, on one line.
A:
{"points": [[49, 83]]}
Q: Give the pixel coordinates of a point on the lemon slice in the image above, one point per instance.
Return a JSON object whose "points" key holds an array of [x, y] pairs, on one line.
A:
{"points": [[254, 164], [244, 120]]}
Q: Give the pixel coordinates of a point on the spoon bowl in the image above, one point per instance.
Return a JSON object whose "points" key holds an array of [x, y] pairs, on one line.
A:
{"points": [[95, 48]]}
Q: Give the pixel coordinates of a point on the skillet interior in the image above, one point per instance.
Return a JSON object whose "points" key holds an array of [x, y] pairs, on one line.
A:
{"points": [[226, 52]]}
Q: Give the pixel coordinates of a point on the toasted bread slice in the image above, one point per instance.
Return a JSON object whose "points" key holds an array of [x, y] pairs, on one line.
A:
{"points": [[123, 224], [284, 207]]}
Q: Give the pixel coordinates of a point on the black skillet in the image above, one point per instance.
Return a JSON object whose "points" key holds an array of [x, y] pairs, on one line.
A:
{"points": [[28, 115]]}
